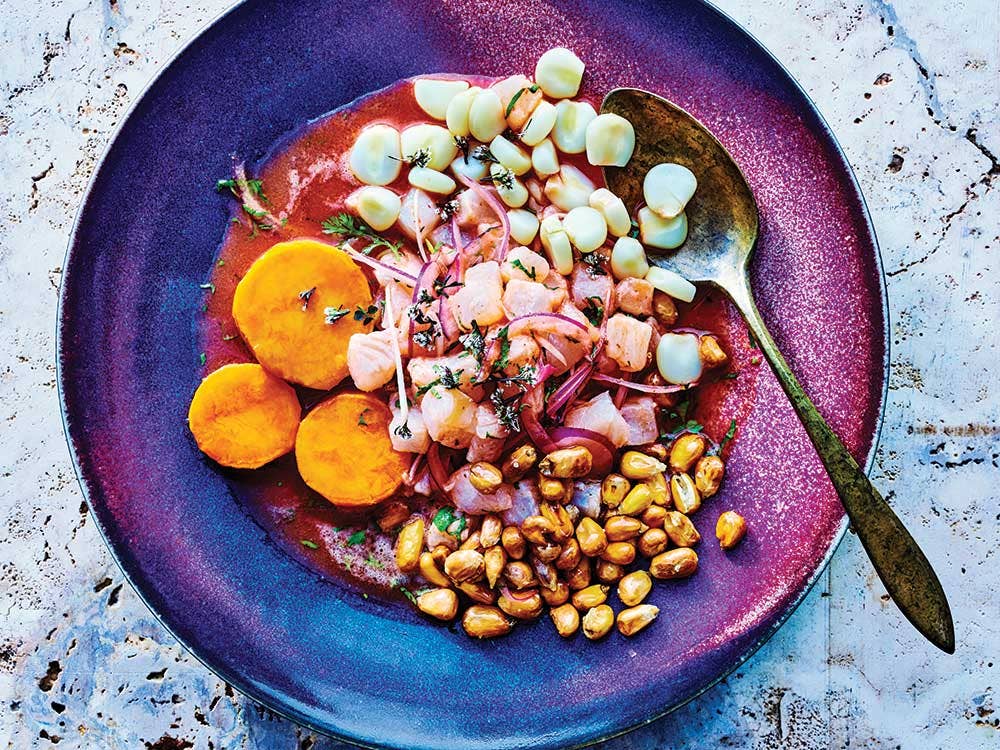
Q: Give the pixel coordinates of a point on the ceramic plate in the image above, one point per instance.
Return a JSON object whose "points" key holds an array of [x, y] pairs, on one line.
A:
{"points": [[372, 670]]}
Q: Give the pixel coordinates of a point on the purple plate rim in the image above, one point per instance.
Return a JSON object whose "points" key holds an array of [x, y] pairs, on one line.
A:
{"points": [[233, 678]]}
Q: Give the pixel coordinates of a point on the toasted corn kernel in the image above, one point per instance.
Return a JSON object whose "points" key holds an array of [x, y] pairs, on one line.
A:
{"points": [[485, 622], [658, 489], [485, 477], [686, 449], [654, 516], [674, 563], [519, 463], [636, 501], [494, 559], [579, 577], [590, 596], [551, 489], [547, 574], [439, 603], [513, 542], [393, 514], [598, 622], [634, 619], [656, 450], [622, 528], [538, 529], [566, 618], [664, 400], [546, 552], [730, 529], [608, 572], [409, 545], [613, 490], [591, 537], [489, 532], [636, 465], [567, 463], [570, 556], [559, 517], [519, 575], [464, 565], [478, 591], [620, 553], [440, 553], [527, 608], [680, 529], [686, 497], [664, 308], [471, 541], [556, 596], [653, 542], [710, 352], [430, 571], [634, 587], [708, 473]]}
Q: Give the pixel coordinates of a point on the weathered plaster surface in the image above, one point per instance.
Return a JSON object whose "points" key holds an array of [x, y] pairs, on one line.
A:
{"points": [[911, 90]]}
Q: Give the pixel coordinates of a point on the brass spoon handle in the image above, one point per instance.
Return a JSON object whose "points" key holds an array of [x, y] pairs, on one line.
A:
{"points": [[899, 562]]}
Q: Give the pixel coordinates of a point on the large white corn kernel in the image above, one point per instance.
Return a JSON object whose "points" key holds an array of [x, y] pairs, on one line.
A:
{"points": [[671, 283], [569, 189], [457, 115], [437, 140], [667, 188], [486, 120], [375, 156], [559, 73], [510, 189], [557, 245], [510, 155], [586, 228], [434, 95], [431, 180], [628, 259], [471, 169], [523, 225], [610, 140], [656, 231], [377, 206], [544, 159], [540, 124], [570, 131], [613, 210], [677, 358]]}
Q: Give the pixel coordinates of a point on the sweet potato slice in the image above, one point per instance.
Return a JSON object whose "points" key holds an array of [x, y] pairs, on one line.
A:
{"points": [[344, 452], [243, 417], [279, 307]]}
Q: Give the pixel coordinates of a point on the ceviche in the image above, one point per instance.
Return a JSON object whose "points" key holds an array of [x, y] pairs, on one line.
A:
{"points": [[456, 331]]}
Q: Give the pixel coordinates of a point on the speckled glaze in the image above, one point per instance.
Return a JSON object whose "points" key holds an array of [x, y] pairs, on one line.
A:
{"points": [[373, 671]]}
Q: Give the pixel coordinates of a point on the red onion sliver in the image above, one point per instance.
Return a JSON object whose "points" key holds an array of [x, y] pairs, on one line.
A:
{"points": [[693, 331], [438, 472], [601, 449], [539, 436], [498, 208], [601, 378], [397, 273]]}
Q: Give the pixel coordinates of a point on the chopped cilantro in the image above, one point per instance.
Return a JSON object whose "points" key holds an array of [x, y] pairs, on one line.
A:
{"points": [[305, 295], [332, 314], [407, 593], [503, 359], [361, 418], [347, 226], [529, 272], [308, 543], [730, 434], [594, 310], [474, 342], [366, 315], [445, 520], [356, 538], [202, 358]]}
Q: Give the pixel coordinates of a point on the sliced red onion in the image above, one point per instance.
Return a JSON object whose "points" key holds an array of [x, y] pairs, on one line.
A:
{"points": [[396, 273], [693, 331], [602, 451], [498, 208], [539, 436], [438, 473], [569, 389], [456, 234], [620, 395], [643, 387], [521, 596]]}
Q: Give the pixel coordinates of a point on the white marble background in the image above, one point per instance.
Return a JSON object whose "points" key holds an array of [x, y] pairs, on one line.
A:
{"points": [[911, 90]]}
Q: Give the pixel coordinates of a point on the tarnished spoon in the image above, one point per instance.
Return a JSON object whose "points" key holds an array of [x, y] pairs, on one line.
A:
{"points": [[722, 221]]}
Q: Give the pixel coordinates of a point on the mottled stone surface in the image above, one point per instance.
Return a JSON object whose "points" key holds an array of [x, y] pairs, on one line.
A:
{"points": [[910, 89]]}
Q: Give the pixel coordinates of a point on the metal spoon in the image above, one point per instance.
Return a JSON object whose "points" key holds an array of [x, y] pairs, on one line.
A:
{"points": [[723, 222]]}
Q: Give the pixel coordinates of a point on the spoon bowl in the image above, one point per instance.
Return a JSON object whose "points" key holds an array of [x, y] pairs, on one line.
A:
{"points": [[723, 224]]}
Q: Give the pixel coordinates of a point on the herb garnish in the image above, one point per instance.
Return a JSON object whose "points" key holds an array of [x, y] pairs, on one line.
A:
{"points": [[404, 431], [502, 178], [209, 286], [419, 158], [347, 226], [730, 434], [595, 263], [594, 310], [332, 314], [634, 231], [356, 538], [483, 154], [445, 520], [447, 209], [463, 145], [361, 417], [308, 543], [508, 411], [305, 295], [690, 426], [530, 272], [255, 187], [407, 593], [513, 100], [524, 379], [502, 360], [202, 358], [447, 377], [441, 286], [474, 342], [366, 315]]}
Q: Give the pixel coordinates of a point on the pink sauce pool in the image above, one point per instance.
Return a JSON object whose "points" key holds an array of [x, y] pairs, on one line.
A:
{"points": [[306, 180]]}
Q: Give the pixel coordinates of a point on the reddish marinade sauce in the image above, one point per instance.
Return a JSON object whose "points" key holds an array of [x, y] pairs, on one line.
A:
{"points": [[306, 180]]}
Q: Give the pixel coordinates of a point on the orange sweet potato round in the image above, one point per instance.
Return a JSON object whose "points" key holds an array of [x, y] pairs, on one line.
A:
{"points": [[291, 342], [243, 417], [344, 452]]}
